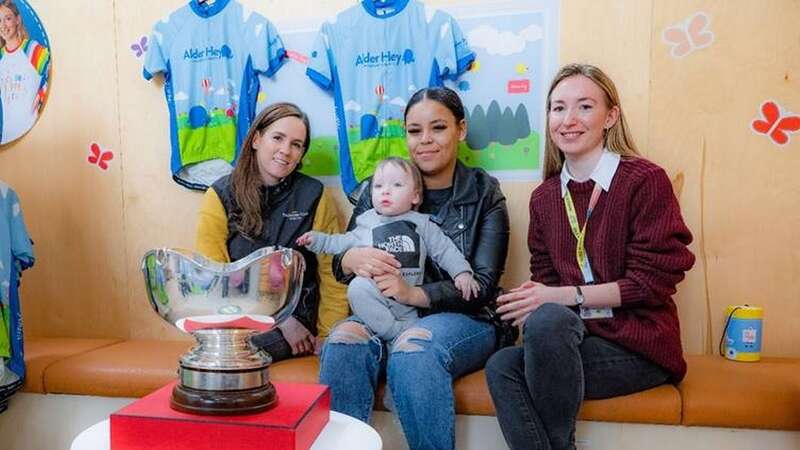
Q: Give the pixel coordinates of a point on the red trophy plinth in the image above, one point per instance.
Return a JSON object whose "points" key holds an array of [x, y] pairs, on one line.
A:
{"points": [[302, 411]]}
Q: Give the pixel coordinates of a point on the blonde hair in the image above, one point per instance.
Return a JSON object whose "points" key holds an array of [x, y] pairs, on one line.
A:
{"points": [[617, 138], [21, 30]]}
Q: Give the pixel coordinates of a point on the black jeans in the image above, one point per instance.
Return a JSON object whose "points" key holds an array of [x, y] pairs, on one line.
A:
{"points": [[273, 343], [538, 388]]}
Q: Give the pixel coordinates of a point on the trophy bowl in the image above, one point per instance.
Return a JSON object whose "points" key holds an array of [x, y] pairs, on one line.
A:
{"points": [[223, 306]]}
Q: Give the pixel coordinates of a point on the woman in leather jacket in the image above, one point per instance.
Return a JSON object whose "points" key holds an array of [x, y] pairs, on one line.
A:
{"points": [[455, 336]]}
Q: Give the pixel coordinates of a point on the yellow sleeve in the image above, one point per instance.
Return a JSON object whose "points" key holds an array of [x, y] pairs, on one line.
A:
{"points": [[212, 228], [333, 305]]}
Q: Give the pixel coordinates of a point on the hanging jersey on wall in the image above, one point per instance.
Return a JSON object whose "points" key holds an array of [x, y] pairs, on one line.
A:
{"points": [[16, 255], [210, 53], [373, 59], [22, 87]]}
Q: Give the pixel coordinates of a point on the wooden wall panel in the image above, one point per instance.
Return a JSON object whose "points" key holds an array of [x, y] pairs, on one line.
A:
{"points": [[73, 210], [739, 185]]}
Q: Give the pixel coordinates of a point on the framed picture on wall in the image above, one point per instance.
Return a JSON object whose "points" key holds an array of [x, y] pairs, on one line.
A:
{"points": [[24, 68]]}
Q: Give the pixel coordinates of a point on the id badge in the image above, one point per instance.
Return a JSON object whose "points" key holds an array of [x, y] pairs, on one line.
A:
{"points": [[597, 313]]}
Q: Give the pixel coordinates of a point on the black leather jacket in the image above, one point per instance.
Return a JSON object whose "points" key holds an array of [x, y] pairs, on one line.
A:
{"points": [[476, 219]]}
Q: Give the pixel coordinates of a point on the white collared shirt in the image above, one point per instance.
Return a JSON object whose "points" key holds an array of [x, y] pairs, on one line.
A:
{"points": [[602, 174]]}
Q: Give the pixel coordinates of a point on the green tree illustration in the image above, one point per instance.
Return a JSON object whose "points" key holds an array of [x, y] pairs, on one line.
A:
{"points": [[507, 132], [522, 121], [477, 131], [493, 117]]}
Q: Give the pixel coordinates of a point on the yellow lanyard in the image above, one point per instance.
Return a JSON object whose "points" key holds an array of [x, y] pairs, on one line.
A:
{"points": [[580, 232]]}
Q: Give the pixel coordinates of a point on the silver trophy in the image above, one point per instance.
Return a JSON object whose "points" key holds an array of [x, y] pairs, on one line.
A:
{"points": [[223, 306]]}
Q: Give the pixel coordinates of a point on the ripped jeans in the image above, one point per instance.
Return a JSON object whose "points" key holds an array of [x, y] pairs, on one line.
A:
{"points": [[420, 367]]}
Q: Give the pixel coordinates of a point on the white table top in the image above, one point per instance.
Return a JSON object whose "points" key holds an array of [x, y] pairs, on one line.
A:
{"points": [[341, 432]]}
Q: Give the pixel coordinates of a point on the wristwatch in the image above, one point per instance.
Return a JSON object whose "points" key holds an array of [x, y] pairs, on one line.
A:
{"points": [[579, 298]]}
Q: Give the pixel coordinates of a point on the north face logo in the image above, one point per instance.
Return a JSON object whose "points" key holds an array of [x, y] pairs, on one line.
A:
{"points": [[401, 240], [398, 244]]}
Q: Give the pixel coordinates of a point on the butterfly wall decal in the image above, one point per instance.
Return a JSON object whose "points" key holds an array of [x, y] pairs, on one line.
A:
{"points": [[99, 156], [690, 35], [774, 124], [139, 48]]}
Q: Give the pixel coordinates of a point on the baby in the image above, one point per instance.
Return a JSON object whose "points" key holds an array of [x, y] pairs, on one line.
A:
{"points": [[393, 225]]}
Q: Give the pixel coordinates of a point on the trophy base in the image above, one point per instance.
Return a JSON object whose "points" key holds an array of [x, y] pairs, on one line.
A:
{"points": [[223, 403]]}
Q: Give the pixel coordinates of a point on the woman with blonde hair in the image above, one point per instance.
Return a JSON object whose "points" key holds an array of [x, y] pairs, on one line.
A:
{"points": [[608, 246]]}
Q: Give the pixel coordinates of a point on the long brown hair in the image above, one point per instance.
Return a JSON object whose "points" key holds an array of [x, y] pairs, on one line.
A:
{"points": [[21, 30], [617, 138], [246, 179]]}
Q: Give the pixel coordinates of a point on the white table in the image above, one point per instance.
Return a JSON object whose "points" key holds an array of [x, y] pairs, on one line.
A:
{"points": [[341, 432]]}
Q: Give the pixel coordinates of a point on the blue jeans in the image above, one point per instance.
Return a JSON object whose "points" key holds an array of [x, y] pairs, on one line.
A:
{"points": [[538, 388], [420, 367]]}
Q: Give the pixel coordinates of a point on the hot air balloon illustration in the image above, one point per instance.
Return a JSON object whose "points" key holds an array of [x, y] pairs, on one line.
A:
{"points": [[205, 83], [230, 112], [379, 91]]}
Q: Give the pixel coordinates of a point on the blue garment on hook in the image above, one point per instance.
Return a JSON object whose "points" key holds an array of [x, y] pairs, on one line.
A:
{"points": [[16, 255]]}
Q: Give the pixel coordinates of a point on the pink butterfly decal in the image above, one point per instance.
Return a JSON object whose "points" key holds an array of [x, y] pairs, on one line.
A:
{"points": [[99, 156], [690, 35], [774, 125], [139, 48]]}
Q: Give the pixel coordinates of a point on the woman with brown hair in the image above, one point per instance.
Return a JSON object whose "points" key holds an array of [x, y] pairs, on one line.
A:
{"points": [[266, 201], [608, 246]]}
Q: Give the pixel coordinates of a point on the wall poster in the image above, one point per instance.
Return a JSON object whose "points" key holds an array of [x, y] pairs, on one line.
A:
{"points": [[516, 44], [24, 68]]}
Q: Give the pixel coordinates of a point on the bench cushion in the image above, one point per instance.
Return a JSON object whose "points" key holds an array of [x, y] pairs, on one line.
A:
{"points": [[136, 368], [660, 405], [125, 369], [297, 370], [41, 353], [765, 394], [716, 392]]}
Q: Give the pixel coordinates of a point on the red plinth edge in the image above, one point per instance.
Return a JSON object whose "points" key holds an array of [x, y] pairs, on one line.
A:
{"points": [[149, 423]]}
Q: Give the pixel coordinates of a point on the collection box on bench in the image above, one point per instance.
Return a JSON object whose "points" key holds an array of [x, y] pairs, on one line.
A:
{"points": [[149, 423]]}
